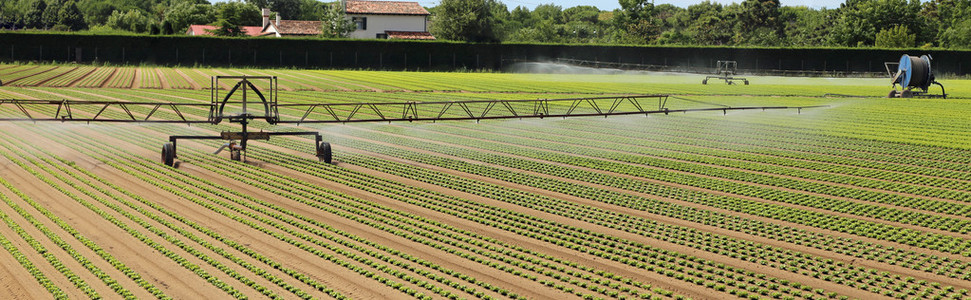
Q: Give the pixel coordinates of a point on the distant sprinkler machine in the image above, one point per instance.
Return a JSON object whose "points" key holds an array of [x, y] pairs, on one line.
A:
{"points": [[726, 71], [914, 75]]}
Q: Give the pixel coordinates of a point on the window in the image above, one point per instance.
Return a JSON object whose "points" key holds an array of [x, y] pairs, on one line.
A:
{"points": [[361, 22], [381, 36]]}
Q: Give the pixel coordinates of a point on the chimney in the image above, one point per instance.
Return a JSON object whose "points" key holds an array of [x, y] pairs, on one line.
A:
{"points": [[266, 17], [278, 19]]}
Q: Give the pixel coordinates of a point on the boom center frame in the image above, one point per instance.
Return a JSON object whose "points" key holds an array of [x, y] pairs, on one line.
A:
{"points": [[245, 86]]}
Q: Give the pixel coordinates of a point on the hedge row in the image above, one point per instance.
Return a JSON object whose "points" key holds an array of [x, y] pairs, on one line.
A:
{"points": [[437, 55]]}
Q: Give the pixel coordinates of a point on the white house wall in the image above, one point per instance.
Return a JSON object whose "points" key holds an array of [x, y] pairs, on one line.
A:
{"points": [[381, 23]]}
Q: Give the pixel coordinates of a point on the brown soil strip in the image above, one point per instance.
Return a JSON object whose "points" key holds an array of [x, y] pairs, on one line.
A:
{"points": [[108, 79], [12, 81], [193, 83], [164, 82], [136, 80], [75, 82], [42, 82], [15, 281]]}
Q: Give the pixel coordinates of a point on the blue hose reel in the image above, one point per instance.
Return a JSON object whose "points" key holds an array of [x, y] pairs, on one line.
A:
{"points": [[914, 75]]}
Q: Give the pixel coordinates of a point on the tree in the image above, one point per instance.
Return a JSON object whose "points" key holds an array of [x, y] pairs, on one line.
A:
{"points": [[807, 27], [233, 15], [860, 20], [895, 37], [49, 16], [759, 23], [336, 24], [186, 13], [133, 20], [96, 12], [70, 16], [33, 18], [464, 20], [958, 35]]}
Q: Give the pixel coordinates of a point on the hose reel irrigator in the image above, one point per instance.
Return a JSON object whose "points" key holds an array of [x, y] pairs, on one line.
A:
{"points": [[914, 75]]}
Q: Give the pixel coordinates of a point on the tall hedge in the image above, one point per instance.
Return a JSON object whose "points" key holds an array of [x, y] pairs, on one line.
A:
{"points": [[437, 55]]}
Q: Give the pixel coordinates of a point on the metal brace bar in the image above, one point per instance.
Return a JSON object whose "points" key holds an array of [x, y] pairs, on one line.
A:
{"points": [[177, 111], [488, 108], [309, 110], [615, 104], [573, 106], [509, 107], [152, 112], [125, 107], [332, 113], [465, 107], [637, 104], [377, 111], [444, 109], [594, 105], [101, 111], [58, 112], [24, 110], [353, 112]]}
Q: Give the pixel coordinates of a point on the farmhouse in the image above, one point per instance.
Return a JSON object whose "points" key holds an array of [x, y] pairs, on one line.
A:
{"points": [[282, 28], [388, 20]]}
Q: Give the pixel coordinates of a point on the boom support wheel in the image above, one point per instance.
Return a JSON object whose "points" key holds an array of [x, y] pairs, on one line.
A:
{"points": [[168, 154], [323, 152]]}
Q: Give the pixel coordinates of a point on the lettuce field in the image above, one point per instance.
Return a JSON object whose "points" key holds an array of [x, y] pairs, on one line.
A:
{"points": [[867, 198]]}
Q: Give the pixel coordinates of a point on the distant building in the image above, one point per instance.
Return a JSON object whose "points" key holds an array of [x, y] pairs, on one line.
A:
{"points": [[207, 30], [374, 20], [388, 20], [282, 28]]}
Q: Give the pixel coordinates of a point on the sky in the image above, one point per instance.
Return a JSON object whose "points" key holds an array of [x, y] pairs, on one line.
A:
{"points": [[614, 4]]}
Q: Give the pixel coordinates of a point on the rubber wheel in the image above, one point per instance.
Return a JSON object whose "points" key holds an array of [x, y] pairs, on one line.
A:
{"points": [[704, 81], [893, 94], [168, 154], [323, 152], [906, 94], [746, 82], [235, 155]]}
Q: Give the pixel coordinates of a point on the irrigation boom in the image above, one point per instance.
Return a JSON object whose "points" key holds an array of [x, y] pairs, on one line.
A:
{"points": [[239, 106]]}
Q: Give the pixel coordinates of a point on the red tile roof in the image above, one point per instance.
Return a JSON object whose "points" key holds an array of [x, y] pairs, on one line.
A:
{"points": [[385, 8], [292, 27], [410, 35], [205, 30]]}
